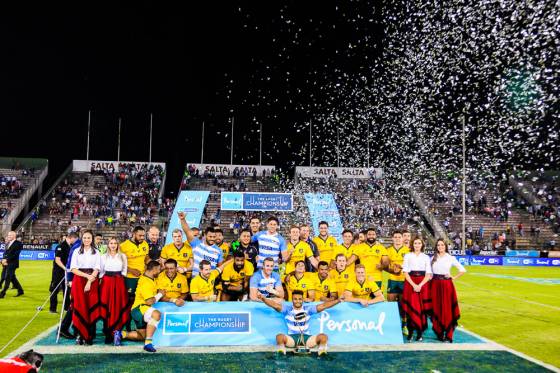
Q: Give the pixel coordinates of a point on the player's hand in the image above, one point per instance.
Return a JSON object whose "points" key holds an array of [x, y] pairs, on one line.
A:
{"points": [[181, 215], [364, 302], [181, 269], [162, 292], [260, 296], [379, 267], [134, 272], [180, 302], [212, 298], [271, 290]]}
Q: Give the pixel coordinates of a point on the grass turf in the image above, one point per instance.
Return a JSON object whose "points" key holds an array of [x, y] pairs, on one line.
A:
{"points": [[517, 313], [409, 361]]}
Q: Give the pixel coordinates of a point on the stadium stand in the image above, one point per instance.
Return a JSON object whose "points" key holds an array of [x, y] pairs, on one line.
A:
{"points": [[109, 201]]}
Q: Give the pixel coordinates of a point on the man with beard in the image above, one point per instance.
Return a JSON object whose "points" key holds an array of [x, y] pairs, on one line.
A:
{"points": [[255, 225], [220, 242], [325, 242], [136, 252], [305, 235], [235, 278], [202, 250], [373, 256]]}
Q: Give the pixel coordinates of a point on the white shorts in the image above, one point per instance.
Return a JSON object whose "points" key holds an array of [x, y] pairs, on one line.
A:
{"points": [[148, 314]]}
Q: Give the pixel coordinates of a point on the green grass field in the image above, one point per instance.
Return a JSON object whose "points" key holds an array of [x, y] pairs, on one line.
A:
{"points": [[515, 306]]}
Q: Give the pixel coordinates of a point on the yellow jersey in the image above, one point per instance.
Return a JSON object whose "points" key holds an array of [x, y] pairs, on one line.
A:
{"points": [[237, 278], [326, 247], [174, 288], [362, 291], [346, 251], [323, 288], [181, 255], [225, 249], [397, 257], [304, 284], [370, 257], [203, 287], [340, 279], [135, 255], [146, 289], [301, 251]]}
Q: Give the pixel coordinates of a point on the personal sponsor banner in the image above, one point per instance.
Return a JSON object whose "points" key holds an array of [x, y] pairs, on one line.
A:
{"points": [[340, 172], [526, 253], [488, 253], [253, 323], [87, 166], [29, 246], [508, 261], [228, 169], [192, 203], [322, 207], [451, 251], [32, 254], [256, 201]]}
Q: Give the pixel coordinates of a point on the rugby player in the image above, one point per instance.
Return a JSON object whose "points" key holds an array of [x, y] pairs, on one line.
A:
{"points": [[362, 290], [297, 316], [325, 243], [373, 256], [300, 280], [235, 278], [297, 250], [341, 274], [174, 283], [180, 251], [202, 286], [347, 249], [271, 243], [266, 282], [325, 288]]}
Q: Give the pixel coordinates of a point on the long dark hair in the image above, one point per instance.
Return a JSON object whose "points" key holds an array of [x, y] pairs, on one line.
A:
{"points": [[93, 248], [421, 240], [436, 252]]}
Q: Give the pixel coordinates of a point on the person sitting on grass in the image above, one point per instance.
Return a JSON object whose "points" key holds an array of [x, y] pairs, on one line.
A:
{"points": [[297, 316]]}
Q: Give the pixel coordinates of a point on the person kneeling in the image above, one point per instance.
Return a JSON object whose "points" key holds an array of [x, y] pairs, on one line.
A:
{"points": [[144, 315], [297, 316]]}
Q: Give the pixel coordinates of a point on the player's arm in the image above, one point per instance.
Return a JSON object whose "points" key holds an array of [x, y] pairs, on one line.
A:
{"points": [[286, 255], [176, 301], [326, 305], [156, 298], [314, 262], [310, 295], [378, 297], [185, 226], [269, 302], [352, 259], [254, 294]]}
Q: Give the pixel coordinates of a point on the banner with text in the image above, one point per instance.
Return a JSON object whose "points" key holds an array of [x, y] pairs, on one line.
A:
{"points": [[340, 172], [238, 201], [33, 254], [508, 261], [253, 323], [228, 169], [88, 166], [322, 207], [192, 203]]}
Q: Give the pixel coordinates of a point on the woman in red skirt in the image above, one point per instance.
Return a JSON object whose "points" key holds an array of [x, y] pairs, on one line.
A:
{"points": [[115, 311], [85, 265], [416, 302], [445, 313]]}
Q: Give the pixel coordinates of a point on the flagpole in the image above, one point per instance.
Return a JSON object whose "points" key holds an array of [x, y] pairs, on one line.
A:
{"points": [[151, 123], [202, 146], [231, 156], [310, 140], [119, 143], [88, 131], [337, 149], [367, 134], [260, 146]]}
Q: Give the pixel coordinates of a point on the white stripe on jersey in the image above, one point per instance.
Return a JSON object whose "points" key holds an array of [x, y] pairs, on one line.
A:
{"points": [[205, 252]]}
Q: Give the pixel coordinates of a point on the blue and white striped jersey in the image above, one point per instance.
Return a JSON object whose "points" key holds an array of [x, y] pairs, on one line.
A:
{"points": [[297, 321], [260, 282], [270, 246], [201, 251]]}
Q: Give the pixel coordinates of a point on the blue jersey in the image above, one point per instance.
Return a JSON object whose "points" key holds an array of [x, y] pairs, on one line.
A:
{"points": [[297, 321], [270, 246], [260, 282], [201, 251]]}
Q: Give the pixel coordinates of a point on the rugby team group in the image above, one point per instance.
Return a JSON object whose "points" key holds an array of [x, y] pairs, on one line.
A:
{"points": [[119, 282]]}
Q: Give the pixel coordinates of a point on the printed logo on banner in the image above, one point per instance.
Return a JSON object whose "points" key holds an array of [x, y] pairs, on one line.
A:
{"points": [[206, 323], [350, 325], [556, 262], [232, 201]]}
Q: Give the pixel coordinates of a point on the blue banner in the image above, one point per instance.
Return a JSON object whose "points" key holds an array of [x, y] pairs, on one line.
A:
{"points": [[526, 253], [508, 261], [33, 255], [238, 201], [192, 203], [322, 207], [253, 323]]}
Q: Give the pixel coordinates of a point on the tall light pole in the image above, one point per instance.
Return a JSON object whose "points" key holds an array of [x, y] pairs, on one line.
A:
{"points": [[464, 186], [88, 130]]}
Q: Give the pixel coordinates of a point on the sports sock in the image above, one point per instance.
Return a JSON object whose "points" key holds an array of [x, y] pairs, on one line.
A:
{"points": [[147, 341]]}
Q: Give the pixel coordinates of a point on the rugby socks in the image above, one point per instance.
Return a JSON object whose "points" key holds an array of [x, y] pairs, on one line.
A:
{"points": [[281, 349], [148, 342], [322, 350], [124, 334]]}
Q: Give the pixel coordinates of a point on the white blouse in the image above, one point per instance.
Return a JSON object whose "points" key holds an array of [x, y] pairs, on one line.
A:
{"points": [[443, 265], [85, 260], [412, 262], [118, 263]]}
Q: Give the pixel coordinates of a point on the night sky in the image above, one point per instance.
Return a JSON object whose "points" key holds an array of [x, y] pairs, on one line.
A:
{"points": [[403, 69]]}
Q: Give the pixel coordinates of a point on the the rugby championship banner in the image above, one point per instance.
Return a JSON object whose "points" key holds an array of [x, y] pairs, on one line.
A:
{"points": [[192, 203], [239, 201], [253, 323], [322, 207], [340, 172]]}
